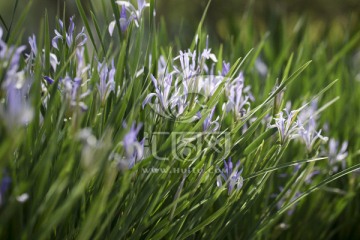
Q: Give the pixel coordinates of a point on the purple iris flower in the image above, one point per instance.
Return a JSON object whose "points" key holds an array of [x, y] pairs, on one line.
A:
{"points": [[207, 84], [76, 93], [135, 15], [206, 54], [189, 65], [32, 43], [309, 135], [193, 65], [4, 186], [134, 150], [71, 90], [337, 154], [209, 124], [33, 53], [17, 110], [287, 126], [239, 97], [107, 83], [80, 39], [81, 66], [10, 56], [124, 21], [166, 100], [177, 88], [225, 68], [261, 67], [307, 126], [231, 176], [49, 80]]}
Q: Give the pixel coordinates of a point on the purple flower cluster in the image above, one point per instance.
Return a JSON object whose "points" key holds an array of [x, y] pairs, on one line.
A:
{"points": [[74, 89], [69, 36], [133, 148], [193, 66], [209, 124], [134, 15], [10, 58], [310, 135], [72, 93], [165, 99], [239, 97], [231, 176], [190, 80], [336, 154], [287, 126], [308, 125], [299, 124], [107, 82], [225, 68], [30, 60], [17, 110], [4, 187]]}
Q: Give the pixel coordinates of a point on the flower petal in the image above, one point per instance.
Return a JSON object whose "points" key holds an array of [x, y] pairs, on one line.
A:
{"points": [[148, 99], [111, 27]]}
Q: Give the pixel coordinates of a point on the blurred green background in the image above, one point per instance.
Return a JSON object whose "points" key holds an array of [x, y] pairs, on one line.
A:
{"points": [[223, 19]]}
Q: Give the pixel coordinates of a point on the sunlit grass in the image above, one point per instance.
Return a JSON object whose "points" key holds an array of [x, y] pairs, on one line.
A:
{"points": [[104, 144]]}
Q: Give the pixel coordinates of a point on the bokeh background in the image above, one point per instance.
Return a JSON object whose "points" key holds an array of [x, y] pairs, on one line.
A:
{"points": [[224, 18]]}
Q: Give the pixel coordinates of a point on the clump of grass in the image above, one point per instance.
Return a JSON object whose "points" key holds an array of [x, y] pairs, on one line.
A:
{"points": [[109, 131]]}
